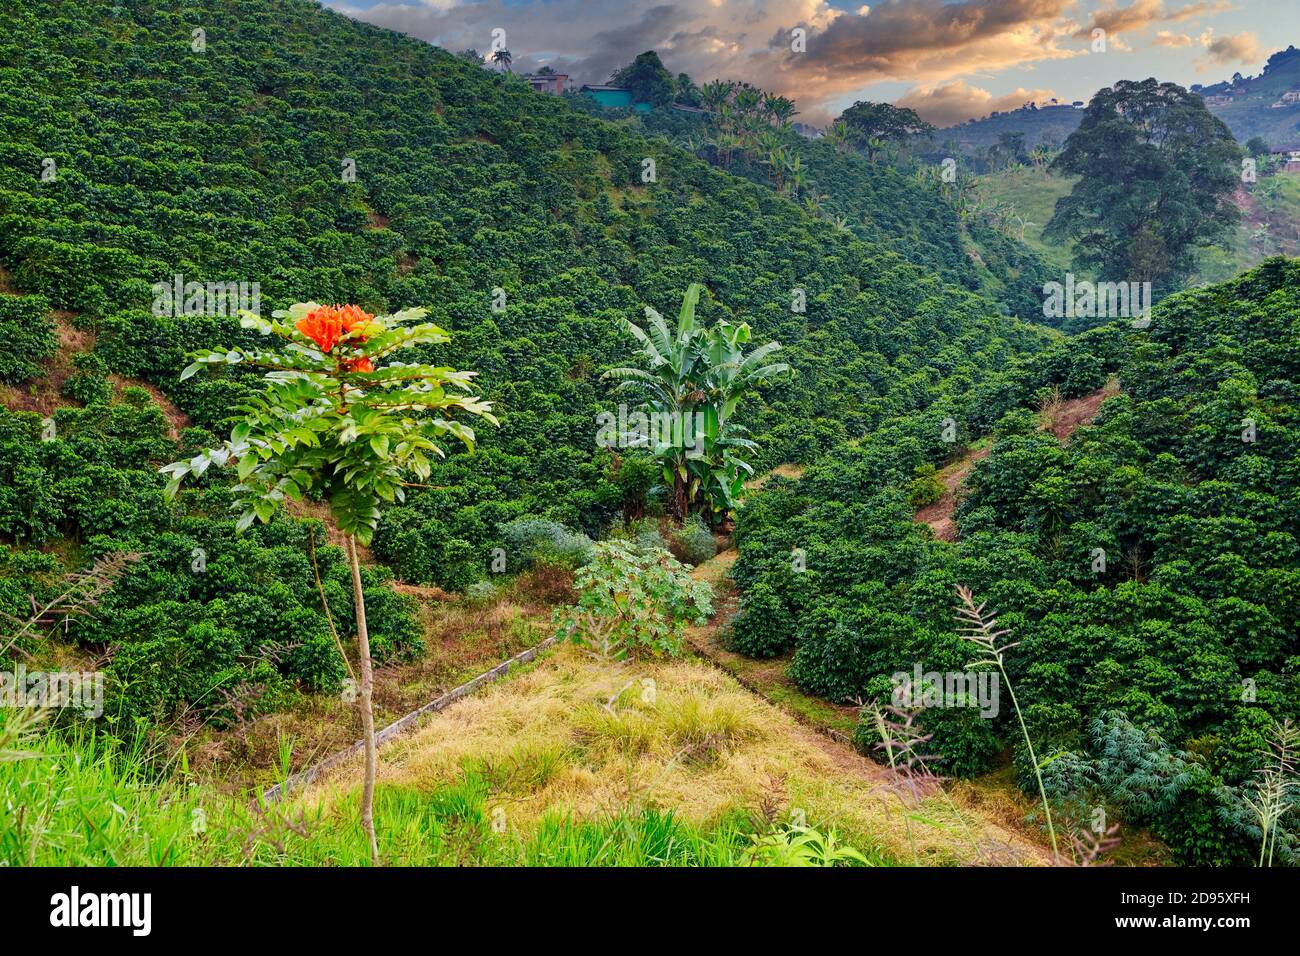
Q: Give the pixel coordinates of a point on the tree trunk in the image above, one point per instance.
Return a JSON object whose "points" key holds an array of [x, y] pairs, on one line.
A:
{"points": [[367, 710], [680, 503]]}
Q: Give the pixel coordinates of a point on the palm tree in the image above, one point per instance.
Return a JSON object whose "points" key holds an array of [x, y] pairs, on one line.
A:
{"points": [[780, 109], [839, 136], [798, 175], [1040, 156], [812, 200], [875, 146], [503, 59], [715, 93]]}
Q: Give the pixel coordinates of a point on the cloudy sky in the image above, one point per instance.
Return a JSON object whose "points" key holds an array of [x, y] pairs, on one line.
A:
{"points": [[948, 59]]}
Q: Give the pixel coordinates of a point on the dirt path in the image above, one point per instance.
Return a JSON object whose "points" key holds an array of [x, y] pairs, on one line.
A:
{"points": [[1062, 418], [939, 515], [827, 729]]}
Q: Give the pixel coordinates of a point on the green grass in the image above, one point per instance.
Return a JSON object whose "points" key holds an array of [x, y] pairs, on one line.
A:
{"points": [[79, 800], [1033, 196]]}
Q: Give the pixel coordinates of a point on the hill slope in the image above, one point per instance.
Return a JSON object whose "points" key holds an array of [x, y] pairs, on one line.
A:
{"points": [[324, 159]]}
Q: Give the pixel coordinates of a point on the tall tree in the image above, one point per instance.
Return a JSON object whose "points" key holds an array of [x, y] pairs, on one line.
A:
{"points": [[648, 79], [1157, 175], [883, 121]]}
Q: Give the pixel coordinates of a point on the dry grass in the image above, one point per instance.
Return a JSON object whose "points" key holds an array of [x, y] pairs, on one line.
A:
{"points": [[591, 737], [1062, 416], [463, 640], [788, 470]]}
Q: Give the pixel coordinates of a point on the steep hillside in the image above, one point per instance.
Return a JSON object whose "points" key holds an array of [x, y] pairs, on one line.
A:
{"points": [[273, 143], [1146, 566], [900, 206]]}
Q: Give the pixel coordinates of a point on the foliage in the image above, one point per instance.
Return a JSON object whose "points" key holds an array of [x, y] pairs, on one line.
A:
{"points": [[803, 846], [1158, 173], [925, 489], [634, 601], [26, 337], [331, 421], [697, 378], [531, 541], [867, 121], [1148, 565], [647, 78], [455, 195], [99, 805], [89, 384], [693, 542]]}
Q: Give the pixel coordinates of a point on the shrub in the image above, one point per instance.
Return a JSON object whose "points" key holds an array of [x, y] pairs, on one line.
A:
{"points": [[89, 384], [26, 336], [633, 601], [925, 488], [693, 542], [532, 541], [763, 628]]}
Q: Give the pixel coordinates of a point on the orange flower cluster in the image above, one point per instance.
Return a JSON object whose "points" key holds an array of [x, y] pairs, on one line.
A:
{"points": [[327, 325]]}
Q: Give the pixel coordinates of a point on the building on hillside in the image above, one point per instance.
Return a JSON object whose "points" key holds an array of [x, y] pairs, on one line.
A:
{"points": [[552, 83], [1218, 99], [1288, 157], [614, 98], [1289, 98]]}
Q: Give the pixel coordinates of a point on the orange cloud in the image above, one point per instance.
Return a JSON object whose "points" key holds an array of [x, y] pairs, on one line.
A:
{"points": [[1144, 13], [957, 101], [1231, 48]]}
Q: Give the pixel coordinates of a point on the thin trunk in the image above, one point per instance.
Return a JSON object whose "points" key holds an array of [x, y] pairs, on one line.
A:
{"points": [[367, 710]]}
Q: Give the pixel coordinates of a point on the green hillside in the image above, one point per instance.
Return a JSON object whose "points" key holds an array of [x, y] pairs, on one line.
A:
{"points": [[1251, 111], [901, 205], [1125, 501], [232, 163], [1146, 566]]}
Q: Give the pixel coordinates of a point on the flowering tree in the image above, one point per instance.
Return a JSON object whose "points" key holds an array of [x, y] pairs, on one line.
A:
{"points": [[339, 416]]}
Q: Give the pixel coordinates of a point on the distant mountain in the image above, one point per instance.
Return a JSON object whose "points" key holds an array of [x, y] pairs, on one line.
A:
{"points": [[1251, 106], [1258, 105], [1048, 125]]}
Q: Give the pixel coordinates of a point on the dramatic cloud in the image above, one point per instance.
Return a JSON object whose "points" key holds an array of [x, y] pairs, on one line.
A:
{"points": [[955, 102], [1231, 48], [1144, 13], [925, 41]]}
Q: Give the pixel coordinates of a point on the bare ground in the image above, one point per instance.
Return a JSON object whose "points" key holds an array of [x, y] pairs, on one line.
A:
{"points": [[1062, 418]]}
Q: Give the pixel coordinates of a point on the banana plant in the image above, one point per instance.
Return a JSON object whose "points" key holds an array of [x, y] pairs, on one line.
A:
{"points": [[696, 380]]}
